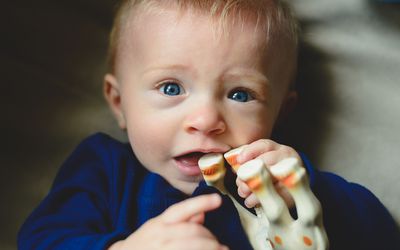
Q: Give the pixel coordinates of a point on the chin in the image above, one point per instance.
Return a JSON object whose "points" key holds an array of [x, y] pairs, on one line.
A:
{"points": [[187, 186]]}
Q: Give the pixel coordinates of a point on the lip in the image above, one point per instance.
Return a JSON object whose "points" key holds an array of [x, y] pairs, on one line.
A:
{"points": [[187, 162], [204, 151]]}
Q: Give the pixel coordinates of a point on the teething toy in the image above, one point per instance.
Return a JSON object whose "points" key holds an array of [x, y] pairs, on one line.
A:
{"points": [[272, 227]]}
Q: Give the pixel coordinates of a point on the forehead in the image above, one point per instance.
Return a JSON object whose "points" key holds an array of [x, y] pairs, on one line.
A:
{"points": [[187, 28], [223, 13], [156, 34], [222, 25]]}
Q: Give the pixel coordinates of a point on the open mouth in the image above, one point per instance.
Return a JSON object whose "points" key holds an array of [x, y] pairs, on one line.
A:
{"points": [[188, 163], [190, 160]]}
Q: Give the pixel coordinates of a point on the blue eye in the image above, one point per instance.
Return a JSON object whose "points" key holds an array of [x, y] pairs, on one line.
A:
{"points": [[240, 96], [171, 89]]}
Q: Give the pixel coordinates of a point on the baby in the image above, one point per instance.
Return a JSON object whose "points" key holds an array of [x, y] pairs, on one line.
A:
{"points": [[187, 78]]}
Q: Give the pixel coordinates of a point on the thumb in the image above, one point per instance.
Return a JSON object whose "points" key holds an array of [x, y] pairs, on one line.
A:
{"points": [[190, 209]]}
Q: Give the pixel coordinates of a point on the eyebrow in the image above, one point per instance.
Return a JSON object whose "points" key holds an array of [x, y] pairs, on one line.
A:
{"points": [[236, 74], [176, 67], [253, 75]]}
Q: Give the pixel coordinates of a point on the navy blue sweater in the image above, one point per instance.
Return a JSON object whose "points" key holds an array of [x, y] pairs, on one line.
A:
{"points": [[102, 194]]}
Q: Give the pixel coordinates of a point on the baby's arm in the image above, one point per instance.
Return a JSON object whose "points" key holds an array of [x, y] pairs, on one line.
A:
{"points": [[179, 227], [270, 153], [83, 209]]}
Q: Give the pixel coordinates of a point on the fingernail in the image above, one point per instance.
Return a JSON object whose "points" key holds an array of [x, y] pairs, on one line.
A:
{"points": [[246, 203], [239, 191]]}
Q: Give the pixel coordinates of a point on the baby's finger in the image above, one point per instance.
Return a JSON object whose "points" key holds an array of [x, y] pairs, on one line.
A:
{"points": [[196, 244], [184, 230], [271, 158], [251, 201], [243, 189], [187, 209], [198, 218], [282, 152], [255, 149]]}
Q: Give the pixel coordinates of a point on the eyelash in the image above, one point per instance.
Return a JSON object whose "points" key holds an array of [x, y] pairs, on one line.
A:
{"points": [[161, 87], [252, 95]]}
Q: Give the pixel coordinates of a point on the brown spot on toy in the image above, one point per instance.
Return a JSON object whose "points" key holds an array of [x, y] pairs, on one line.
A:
{"points": [[278, 240], [307, 241], [254, 183], [211, 170]]}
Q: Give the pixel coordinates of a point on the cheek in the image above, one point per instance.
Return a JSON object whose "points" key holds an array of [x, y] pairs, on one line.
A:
{"points": [[250, 127], [151, 136], [140, 139], [150, 129]]}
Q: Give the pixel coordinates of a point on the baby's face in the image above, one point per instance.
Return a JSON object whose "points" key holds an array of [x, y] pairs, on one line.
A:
{"points": [[185, 91]]}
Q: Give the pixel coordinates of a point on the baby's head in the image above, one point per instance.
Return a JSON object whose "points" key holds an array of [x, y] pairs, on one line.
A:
{"points": [[188, 77]]}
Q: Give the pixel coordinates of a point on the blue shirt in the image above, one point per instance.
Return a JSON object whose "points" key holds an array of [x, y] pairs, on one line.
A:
{"points": [[102, 194]]}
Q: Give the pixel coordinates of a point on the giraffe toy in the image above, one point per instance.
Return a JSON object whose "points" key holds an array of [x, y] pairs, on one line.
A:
{"points": [[272, 227]]}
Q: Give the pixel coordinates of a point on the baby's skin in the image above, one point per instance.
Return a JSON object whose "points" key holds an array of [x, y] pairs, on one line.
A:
{"points": [[175, 227]]}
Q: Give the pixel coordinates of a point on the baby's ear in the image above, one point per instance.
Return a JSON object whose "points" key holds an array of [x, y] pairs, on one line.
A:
{"points": [[112, 94], [288, 104]]}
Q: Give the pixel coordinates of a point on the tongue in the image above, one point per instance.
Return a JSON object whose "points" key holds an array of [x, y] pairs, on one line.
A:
{"points": [[190, 160]]}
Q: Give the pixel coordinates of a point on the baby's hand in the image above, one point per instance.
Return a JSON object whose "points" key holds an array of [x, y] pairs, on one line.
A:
{"points": [[178, 227], [270, 153]]}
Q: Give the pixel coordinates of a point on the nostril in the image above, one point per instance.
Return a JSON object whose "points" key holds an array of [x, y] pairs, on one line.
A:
{"points": [[208, 124], [191, 130], [219, 129]]}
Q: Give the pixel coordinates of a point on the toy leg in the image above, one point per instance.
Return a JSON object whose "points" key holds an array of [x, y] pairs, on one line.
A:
{"points": [[212, 167], [307, 231], [308, 228]]}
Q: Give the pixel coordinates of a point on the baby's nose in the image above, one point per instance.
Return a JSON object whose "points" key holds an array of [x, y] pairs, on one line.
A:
{"points": [[205, 119]]}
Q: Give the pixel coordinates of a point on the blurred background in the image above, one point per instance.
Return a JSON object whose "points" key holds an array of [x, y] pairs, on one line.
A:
{"points": [[53, 58]]}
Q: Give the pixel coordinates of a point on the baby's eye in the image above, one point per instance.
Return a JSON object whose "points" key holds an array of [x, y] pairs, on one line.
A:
{"points": [[171, 89], [240, 95]]}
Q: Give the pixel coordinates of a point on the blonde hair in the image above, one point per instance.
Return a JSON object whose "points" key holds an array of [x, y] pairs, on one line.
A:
{"points": [[273, 17]]}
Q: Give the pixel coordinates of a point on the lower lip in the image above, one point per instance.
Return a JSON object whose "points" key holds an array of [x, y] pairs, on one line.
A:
{"points": [[188, 169]]}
